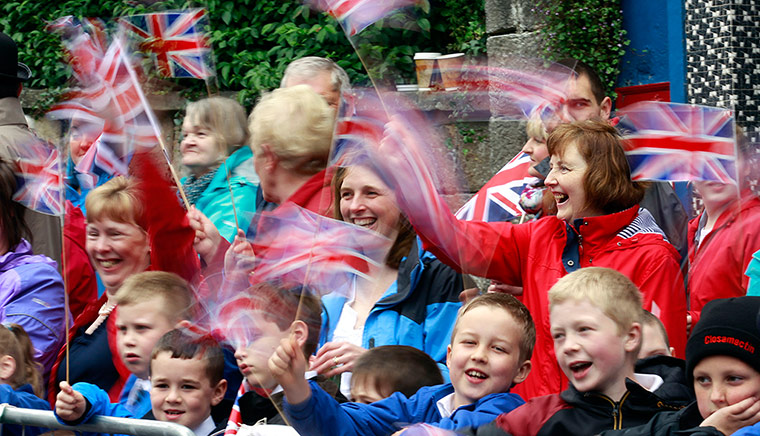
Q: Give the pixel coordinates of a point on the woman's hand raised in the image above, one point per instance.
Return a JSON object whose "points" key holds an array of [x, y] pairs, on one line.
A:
{"points": [[336, 358]]}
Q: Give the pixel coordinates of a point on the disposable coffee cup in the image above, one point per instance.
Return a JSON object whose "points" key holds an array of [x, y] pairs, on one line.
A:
{"points": [[450, 66], [425, 65]]}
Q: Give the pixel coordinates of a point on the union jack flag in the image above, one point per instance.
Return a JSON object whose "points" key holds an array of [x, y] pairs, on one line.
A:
{"points": [[356, 15], [499, 198], [111, 101], [39, 177], [176, 41], [353, 133], [294, 245], [679, 142]]}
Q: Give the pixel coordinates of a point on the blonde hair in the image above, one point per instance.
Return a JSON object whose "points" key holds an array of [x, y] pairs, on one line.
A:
{"points": [[607, 289], [15, 342], [535, 127], [175, 293], [119, 200], [297, 124], [224, 118]]}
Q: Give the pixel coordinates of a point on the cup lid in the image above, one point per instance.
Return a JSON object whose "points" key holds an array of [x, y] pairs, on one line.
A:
{"points": [[450, 56], [426, 55]]}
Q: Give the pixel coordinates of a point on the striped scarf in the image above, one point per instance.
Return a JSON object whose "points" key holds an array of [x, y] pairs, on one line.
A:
{"points": [[194, 186]]}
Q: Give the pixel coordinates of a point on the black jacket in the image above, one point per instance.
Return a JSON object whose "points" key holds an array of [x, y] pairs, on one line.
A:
{"points": [[684, 422], [254, 407], [577, 413], [676, 388]]}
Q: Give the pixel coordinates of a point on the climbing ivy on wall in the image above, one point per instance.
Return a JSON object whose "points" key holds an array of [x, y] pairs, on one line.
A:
{"points": [[589, 30], [253, 40]]}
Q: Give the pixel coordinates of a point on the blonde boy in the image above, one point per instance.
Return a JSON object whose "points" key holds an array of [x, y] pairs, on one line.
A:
{"points": [[149, 304], [654, 337], [490, 351], [595, 325]]}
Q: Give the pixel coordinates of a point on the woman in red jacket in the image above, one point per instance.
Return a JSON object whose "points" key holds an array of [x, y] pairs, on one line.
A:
{"points": [[723, 237], [134, 224], [598, 223]]}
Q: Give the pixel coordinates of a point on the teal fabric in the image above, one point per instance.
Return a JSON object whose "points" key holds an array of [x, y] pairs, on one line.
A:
{"points": [[215, 201], [753, 272]]}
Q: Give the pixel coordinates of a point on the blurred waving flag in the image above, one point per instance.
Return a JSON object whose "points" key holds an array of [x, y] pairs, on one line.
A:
{"points": [[109, 102], [677, 142], [39, 178], [176, 40], [499, 198], [294, 245], [356, 15], [351, 133]]}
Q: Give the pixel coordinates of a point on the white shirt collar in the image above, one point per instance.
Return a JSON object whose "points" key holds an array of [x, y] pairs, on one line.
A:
{"points": [[650, 382], [307, 375], [205, 428], [446, 405], [142, 384]]}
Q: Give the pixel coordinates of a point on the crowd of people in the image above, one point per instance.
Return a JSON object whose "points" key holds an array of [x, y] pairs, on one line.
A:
{"points": [[609, 311]]}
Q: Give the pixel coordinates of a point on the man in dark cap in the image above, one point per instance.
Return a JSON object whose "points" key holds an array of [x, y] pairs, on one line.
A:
{"points": [[15, 133]]}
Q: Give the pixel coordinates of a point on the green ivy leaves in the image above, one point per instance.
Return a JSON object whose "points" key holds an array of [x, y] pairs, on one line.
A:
{"points": [[589, 30], [254, 40]]}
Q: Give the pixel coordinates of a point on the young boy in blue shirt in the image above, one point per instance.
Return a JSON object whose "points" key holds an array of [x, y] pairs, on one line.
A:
{"points": [[490, 351]]}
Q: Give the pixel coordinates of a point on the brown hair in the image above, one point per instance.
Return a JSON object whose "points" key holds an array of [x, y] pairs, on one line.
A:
{"points": [[176, 296], [516, 310], [118, 199], [31, 370], [397, 368], [12, 224], [283, 304], [607, 181], [404, 239], [648, 318], [582, 69], [185, 345]]}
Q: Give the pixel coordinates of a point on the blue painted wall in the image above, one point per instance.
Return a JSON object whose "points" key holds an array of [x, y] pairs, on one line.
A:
{"points": [[657, 51]]}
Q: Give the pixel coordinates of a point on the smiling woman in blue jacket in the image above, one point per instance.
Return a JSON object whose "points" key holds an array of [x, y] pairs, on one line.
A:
{"points": [[412, 299], [220, 165]]}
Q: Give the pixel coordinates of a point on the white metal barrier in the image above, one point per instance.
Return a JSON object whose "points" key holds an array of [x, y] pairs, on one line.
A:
{"points": [[98, 424]]}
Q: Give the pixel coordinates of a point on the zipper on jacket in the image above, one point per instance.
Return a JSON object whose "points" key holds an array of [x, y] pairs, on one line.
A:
{"points": [[617, 410]]}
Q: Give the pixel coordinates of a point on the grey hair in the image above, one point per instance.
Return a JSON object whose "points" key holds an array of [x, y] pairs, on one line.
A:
{"points": [[311, 65]]}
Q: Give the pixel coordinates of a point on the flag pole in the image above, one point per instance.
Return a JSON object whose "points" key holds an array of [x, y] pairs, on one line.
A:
{"points": [[64, 274], [151, 119]]}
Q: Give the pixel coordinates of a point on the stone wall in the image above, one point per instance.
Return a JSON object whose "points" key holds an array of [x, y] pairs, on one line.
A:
{"points": [[512, 31]]}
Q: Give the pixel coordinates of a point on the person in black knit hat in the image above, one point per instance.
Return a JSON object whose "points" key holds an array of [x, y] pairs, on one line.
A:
{"points": [[723, 362]]}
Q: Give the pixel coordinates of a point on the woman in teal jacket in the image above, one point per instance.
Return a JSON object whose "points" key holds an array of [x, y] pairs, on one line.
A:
{"points": [[219, 163]]}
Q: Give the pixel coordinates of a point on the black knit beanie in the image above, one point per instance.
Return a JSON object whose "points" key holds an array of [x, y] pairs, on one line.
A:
{"points": [[727, 327]]}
